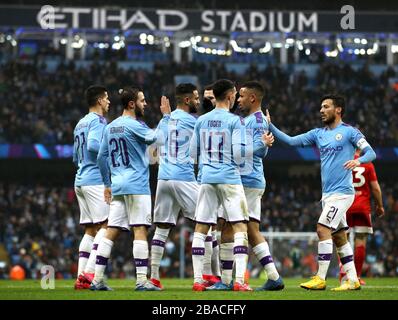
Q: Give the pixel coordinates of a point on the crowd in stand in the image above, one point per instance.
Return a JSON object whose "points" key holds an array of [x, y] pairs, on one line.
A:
{"points": [[39, 225], [39, 106]]}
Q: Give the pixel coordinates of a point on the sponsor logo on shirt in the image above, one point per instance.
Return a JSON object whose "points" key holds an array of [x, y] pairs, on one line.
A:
{"points": [[330, 150]]}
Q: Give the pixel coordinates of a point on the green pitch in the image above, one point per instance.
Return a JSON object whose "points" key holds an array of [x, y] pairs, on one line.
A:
{"points": [[176, 289]]}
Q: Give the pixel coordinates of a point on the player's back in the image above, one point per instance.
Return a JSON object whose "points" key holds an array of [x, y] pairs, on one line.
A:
{"points": [[363, 175], [252, 171], [128, 160], [215, 133], [90, 128], [175, 162]]}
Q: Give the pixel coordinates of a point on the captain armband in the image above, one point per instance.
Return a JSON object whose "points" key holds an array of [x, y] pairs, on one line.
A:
{"points": [[362, 143]]}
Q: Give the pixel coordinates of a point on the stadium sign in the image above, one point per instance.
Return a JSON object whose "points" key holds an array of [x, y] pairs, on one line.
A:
{"points": [[176, 20], [53, 17]]}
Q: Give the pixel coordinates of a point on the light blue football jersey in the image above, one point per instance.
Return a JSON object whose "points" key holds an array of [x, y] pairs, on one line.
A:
{"points": [[219, 140], [123, 155], [253, 173], [87, 139], [175, 161], [336, 146]]}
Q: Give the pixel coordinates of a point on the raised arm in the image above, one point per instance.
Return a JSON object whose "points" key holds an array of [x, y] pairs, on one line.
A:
{"points": [[150, 136]]}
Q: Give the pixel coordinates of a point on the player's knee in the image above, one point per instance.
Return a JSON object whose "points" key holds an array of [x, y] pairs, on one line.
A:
{"points": [[91, 230], [323, 232], [253, 227], [239, 227], [340, 238], [140, 233], [112, 233], [202, 228]]}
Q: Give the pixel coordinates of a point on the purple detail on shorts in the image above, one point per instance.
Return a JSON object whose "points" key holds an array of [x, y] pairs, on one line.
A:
{"points": [[140, 225], [240, 250], [101, 260], [198, 251], [159, 243], [161, 222], [206, 223], [337, 230], [324, 257], [95, 246], [259, 117], [254, 219], [92, 223], [141, 262], [264, 261], [100, 222], [227, 264], [84, 254], [209, 238], [215, 243], [346, 259], [120, 228]]}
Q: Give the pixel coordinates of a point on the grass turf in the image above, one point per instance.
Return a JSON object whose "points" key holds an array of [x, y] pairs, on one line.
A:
{"points": [[176, 289]]}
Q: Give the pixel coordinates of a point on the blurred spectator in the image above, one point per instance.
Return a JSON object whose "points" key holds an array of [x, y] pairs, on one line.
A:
{"points": [[39, 106]]}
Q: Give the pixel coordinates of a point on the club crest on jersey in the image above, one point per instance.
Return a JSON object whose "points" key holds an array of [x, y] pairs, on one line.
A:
{"points": [[339, 136]]}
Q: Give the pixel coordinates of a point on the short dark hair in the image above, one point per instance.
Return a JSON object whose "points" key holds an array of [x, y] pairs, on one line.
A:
{"points": [[209, 87], [93, 93], [255, 86], [221, 87], [184, 89], [128, 94], [338, 101]]}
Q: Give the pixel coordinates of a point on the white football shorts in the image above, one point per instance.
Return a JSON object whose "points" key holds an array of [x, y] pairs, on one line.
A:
{"points": [[131, 210], [173, 196], [93, 208], [253, 198], [334, 208], [230, 196]]}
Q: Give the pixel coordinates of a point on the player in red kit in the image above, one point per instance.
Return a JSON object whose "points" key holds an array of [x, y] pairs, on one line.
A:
{"points": [[359, 215]]}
